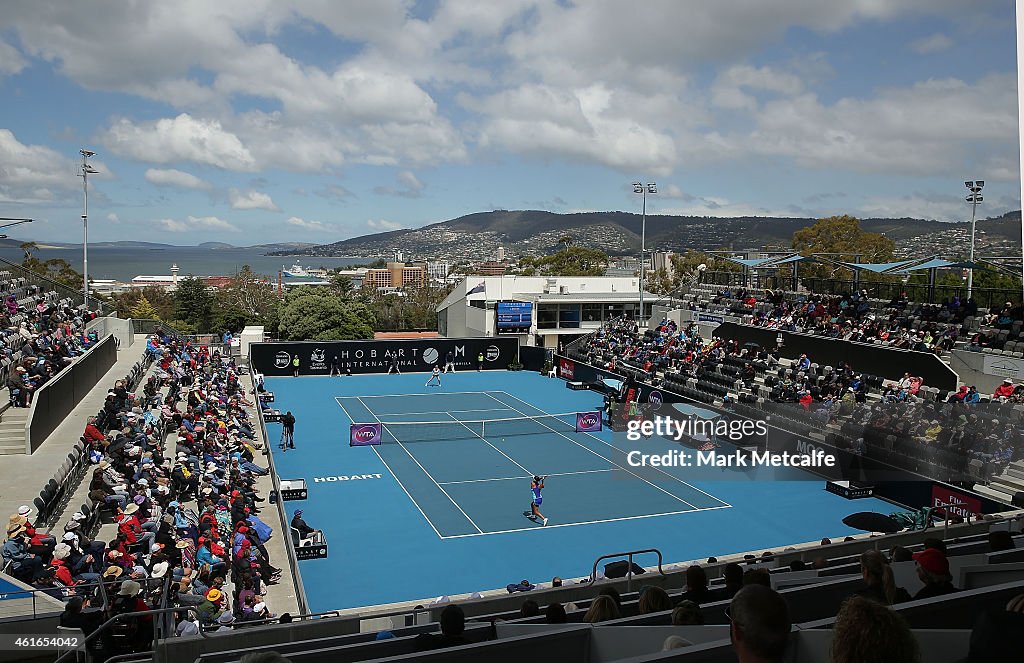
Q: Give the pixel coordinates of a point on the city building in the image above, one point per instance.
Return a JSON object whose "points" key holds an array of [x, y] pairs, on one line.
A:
{"points": [[397, 275], [501, 254], [662, 260], [437, 271], [543, 311], [490, 268]]}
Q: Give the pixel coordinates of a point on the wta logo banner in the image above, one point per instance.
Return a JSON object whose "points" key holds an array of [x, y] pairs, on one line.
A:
{"points": [[364, 435], [588, 422]]}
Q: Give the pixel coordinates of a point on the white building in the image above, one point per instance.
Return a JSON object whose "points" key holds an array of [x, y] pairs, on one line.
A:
{"points": [[438, 271], [663, 260], [542, 310], [501, 254]]}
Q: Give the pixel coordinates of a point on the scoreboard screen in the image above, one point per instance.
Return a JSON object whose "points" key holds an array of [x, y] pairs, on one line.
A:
{"points": [[514, 315]]}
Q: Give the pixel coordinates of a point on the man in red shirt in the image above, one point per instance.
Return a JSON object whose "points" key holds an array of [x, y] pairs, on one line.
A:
{"points": [[1003, 391], [92, 433], [129, 525]]}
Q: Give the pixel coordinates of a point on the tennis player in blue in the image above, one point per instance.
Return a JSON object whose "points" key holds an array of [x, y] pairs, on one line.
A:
{"points": [[534, 513]]}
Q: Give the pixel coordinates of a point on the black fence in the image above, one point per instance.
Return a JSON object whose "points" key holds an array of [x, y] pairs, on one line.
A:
{"points": [[897, 484], [866, 358], [58, 397], [411, 355], [534, 358]]}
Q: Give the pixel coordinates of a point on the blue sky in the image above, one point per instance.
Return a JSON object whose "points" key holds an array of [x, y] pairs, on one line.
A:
{"points": [[252, 121]]}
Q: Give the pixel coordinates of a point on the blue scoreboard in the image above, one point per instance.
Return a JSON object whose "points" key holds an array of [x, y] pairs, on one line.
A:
{"points": [[514, 316]]}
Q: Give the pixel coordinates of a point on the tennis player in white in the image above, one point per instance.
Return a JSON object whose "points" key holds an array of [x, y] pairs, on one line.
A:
{"points": [[434, 375]]}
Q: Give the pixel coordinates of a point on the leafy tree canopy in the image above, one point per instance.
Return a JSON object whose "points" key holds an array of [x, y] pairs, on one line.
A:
{"points": [[317, 314]]}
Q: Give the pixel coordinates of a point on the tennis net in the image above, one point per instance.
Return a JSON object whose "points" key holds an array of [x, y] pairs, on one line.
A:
{"points": [[491, 429]]}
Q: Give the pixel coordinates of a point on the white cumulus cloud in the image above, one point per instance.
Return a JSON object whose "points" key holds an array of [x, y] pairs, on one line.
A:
{"points": [[251, 200], [304, 224], [383, 225], [182, 138], [196, 224], [174, 177]]}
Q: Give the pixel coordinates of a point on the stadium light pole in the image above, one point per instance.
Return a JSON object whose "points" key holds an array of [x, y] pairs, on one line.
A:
{"points": [[86, 171], [643, 190], [974, 198]]}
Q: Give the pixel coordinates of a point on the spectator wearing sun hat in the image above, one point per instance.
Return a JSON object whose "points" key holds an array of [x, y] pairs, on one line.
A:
{"points": [[225, 622], [127, 601], [933, 570], [212, 608], [130, 526], [37, 539], [1003, 391], [59, 563]]}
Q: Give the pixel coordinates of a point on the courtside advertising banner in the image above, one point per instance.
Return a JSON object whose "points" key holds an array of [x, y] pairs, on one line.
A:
{"points": [[364, 435], [954, 502], [588, 422], [377, 356]]}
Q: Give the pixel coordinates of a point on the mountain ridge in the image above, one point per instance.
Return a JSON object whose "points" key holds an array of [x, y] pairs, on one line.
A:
{"points": [[535, 232]]}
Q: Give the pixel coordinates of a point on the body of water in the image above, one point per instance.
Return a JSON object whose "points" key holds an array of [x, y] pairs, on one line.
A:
{"points": [[122, 264]]}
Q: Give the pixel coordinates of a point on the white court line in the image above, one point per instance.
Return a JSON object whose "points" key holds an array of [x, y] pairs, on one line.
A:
{"points": [[597, 454], [717, 499], [427, 473], [559, 474], [539, 528], [490, 409], [339, 399], [511, 460], [395, 476], [431, 394]]}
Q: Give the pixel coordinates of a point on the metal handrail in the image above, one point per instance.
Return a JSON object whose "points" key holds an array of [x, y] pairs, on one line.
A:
{"points": [[295, 618], [79, 588], [143, 613], [140, 656], [629, 556], [57, 286]]}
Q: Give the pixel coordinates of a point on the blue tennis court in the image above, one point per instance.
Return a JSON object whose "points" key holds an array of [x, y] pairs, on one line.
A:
{"points": [[438, 507], [468, 482]]}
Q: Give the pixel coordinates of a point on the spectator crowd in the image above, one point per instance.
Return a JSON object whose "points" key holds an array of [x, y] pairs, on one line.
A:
{"points": [[174, 470]]}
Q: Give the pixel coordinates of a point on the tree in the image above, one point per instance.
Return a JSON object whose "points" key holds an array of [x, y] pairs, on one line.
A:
{"points": [[317, 314], [162, 303], [246, 299], [573, 261], [193, 303], [842, 235], [659, 282], [55, 269], [143, 310], [342, 284]]}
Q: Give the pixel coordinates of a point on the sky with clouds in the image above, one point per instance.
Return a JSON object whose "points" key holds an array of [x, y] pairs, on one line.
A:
{"points": [[251, 121]]}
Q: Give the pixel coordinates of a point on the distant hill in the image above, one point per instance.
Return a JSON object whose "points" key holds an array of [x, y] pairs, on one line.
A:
{"points": [[130, 244], [533, 232]]}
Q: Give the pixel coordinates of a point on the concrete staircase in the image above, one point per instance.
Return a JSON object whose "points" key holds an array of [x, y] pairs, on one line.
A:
{"points": [[1007, 484], [12, 430]]}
